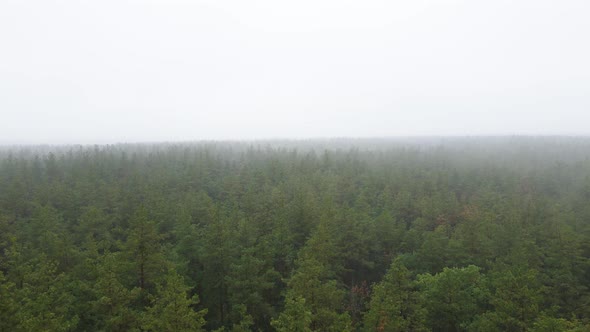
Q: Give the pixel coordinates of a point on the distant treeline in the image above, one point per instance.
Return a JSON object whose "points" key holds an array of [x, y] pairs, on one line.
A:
{"points": [[406, 234]]}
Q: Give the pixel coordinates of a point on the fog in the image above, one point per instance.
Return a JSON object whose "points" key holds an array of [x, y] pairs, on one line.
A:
{"points": [[133, 71]]}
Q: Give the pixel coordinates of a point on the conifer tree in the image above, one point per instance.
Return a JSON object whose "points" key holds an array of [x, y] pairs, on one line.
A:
{"points": [[172, 309], [395, 306], [144, 249], [295, 318]]}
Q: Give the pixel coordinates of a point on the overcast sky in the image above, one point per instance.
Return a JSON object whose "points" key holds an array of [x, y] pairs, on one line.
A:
{"points": [[127, 71]]}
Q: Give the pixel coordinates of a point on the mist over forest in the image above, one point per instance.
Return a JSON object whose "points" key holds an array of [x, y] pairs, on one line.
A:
{"points": [[294, 166], [384, 234]]}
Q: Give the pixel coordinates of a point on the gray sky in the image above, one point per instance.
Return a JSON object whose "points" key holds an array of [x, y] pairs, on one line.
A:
{"points": [[119, 71]]}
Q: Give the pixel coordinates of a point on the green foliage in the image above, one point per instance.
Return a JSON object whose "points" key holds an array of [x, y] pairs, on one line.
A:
{"points": [[172, 309], [249, 281], [8, 305], [395, 305], [295, 318], [246, 321], [113, 302], [454, 234], [144, 249], [323, 297], [453, 297], [44, 300], [552, 324], [515, 300]]}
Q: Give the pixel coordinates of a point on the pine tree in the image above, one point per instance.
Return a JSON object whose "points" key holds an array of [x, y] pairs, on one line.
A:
{"points": [[172, 309], [114, 303], [453, 297], [394, 304], [144, 249], [295, 318], [44, 300], [8, 305], [515, 300]]}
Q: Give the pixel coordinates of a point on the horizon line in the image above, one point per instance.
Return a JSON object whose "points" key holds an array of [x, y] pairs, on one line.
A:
{"points": [[288, 139]]}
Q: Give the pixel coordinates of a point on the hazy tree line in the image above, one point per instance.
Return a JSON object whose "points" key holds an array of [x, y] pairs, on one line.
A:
{"points": [[471, 234]]}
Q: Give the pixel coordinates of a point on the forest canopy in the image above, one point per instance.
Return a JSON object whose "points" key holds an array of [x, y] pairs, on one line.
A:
{"points": [[422, 234]]}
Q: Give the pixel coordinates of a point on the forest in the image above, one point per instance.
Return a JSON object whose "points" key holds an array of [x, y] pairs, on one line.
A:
{"points": [[408, 234]]}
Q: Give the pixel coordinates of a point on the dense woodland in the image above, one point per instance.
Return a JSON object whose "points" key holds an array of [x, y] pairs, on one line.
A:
{"points": [[431, 234]]}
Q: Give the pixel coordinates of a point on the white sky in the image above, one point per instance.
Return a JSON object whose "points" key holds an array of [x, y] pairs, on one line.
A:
{"points": [[120, 71]]}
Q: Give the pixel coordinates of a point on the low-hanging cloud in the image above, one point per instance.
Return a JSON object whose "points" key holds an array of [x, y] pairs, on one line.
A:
{"points": [[119, 71]]}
